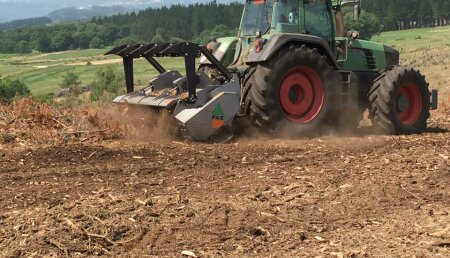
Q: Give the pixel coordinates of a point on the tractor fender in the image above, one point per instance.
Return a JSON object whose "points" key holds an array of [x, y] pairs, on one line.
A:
{"points": [[277, 41]]}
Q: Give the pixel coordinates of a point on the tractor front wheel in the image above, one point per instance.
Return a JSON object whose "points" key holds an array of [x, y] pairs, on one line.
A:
{"points": [[296, 91], [400, 101]]}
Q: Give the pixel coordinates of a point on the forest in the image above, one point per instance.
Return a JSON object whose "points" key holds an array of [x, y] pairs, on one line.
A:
{"points": [[406, 14], [199, 23]]}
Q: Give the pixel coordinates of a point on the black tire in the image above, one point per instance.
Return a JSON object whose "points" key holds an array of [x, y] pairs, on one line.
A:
{"points": [[400, 101], [264, 83]]}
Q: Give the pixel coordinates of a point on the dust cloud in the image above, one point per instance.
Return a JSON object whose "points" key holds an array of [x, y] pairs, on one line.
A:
{"points": [[142, 124], [349, 134]]}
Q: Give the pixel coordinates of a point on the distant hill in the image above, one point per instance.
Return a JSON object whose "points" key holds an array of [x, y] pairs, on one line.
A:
{"points": [[23, 9], [24, 22], [66, 14], [72, 13]]}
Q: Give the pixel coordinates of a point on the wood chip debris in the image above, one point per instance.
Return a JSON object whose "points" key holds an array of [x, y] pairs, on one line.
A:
{"points": [[188, 253]]}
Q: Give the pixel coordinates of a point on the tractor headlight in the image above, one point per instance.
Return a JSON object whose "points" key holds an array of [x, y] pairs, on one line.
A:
{"points": [[259, 44]]}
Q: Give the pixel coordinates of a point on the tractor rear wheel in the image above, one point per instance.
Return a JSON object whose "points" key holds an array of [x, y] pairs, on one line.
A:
{"points": [[296, 91], [400, 101]]}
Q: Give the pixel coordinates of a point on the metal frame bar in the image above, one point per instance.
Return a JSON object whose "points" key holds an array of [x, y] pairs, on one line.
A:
{"points": [[190, 51], [129, 75]]}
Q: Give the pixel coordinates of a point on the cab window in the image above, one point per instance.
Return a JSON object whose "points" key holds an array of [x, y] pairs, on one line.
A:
{"points": [[256, 17], [318, 21], [285, 16]]}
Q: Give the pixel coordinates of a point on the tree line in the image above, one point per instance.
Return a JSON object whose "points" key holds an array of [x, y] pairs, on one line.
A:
{"points": [[24, 22], [200, 22], [407, 14], [175, 23]]}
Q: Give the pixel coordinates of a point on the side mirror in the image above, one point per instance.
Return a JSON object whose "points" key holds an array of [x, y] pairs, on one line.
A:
{"points": [[356, 12]]}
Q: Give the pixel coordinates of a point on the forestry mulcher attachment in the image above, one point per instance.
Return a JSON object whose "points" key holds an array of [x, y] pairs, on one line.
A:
{"points": [[291, 68], [202, 107]]}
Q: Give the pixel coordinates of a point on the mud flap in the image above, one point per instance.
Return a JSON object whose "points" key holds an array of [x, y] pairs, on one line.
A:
{"points": [[349, 92], [434, 99]]}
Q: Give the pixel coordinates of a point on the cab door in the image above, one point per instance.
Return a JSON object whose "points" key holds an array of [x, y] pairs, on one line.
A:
{"points": [[318, 20]]}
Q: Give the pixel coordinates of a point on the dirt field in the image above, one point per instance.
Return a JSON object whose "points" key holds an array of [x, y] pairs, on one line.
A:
{"points": [[362, 196]]}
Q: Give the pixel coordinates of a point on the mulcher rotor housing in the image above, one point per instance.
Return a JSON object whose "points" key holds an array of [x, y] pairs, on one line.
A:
{"points": [[201, 106], [291, 68]]}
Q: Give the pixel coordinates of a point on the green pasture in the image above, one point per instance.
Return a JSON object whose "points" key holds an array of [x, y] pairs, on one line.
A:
{"points": [[43, 73], [416, 39]]}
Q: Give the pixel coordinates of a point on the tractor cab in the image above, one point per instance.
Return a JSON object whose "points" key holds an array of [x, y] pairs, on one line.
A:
{"points": [[319, 18], [262, 19], [312, 17]]}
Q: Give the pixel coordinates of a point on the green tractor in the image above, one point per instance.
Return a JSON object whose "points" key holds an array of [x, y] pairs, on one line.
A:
{"points": [[291, 68]]}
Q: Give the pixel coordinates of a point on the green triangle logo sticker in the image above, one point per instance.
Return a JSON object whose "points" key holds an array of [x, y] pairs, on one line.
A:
{"points": [[218, 117], [218, 111]]}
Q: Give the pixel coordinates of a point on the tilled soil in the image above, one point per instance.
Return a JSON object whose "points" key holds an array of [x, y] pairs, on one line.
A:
{"points": [[365, 196]]}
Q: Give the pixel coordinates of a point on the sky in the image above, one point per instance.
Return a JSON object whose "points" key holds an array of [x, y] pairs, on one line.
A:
{"points": [[21, 9]]}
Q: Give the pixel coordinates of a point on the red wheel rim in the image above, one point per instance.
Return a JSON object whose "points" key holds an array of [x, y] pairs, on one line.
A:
{"points": [[301, 95], [409, 103]]}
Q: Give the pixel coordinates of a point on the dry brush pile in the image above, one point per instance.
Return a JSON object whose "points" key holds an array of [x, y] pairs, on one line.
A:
{"points": [[29, 121]]}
